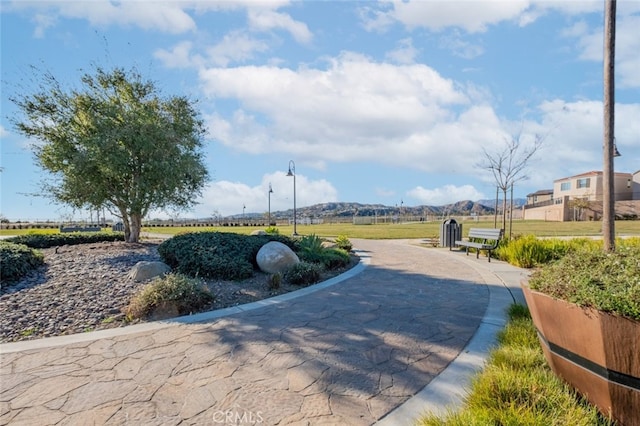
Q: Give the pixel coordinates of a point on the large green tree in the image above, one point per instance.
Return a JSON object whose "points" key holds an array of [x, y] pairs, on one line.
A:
{"points": [[115, 143]]}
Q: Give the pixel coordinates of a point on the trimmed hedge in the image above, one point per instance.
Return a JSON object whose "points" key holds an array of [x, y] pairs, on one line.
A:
{"points": [[53, 240], [16, 260]]}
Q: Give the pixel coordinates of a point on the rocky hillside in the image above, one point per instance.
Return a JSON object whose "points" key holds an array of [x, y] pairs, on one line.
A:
{"points": [[346, 209]]}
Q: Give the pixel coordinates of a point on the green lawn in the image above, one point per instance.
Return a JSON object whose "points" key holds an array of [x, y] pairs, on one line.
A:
{"points": [[399, 230], [424, 229]]}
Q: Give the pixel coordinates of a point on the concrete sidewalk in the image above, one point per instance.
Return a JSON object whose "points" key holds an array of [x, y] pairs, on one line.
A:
{"points": [[381, 343]]}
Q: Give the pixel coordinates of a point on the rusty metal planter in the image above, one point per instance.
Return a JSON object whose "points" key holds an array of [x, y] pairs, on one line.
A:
{"points": [[595, 352]]}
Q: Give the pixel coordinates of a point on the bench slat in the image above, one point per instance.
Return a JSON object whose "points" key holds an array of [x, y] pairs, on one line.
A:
{"points": [[486, 235]]}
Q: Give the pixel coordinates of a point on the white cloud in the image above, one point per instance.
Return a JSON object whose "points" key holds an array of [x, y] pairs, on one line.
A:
{"points": [[166, 17], [236, 46], [460, 47], [266, 20], [405, 53], [227, 198], [575, 139], [445, 195], [355, 110], [472, 16], [3, 132], [179, 56]]}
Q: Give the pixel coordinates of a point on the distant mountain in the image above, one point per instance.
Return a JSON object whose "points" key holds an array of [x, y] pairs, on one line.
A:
{"points": [[348, 209], [517, 202]]}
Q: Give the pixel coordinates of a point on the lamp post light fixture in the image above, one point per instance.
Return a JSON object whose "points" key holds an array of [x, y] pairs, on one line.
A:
{"points": [[243, 207], [269, 211], [292, 172]]}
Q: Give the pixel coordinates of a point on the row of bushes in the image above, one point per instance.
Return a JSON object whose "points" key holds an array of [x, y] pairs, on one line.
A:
{"points": [[53, 240]]}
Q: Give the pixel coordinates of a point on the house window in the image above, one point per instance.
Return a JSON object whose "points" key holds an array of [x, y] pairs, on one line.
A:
{"points": [[583, 183], [565, 186]]}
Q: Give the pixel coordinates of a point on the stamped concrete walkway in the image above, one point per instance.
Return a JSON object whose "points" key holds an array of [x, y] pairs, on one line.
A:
{"points": [[357, 350]]}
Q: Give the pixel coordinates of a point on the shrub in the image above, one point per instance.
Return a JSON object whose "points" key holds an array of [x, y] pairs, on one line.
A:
{"points": [[217, 255], [303, 273], [343, 243], [334, 258], [188, 295], [591, 277], [529, 251], [16, 260], [272, 230], [41, 240], [275, 281], [310, 248]]}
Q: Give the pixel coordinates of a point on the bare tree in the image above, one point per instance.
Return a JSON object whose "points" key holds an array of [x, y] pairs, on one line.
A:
{"points": [[508, 165], [608, 201]]}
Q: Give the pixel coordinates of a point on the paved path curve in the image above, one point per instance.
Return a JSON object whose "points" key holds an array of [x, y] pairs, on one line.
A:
{"points": [[343, 354]]}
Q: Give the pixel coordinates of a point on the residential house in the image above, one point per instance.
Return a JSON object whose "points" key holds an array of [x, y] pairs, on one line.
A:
{"points": [[580, 198]]}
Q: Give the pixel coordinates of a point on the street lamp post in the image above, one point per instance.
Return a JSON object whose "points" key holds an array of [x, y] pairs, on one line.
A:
{"points": [[269, 211], [292, 172], [608, 196], [243, 207]]}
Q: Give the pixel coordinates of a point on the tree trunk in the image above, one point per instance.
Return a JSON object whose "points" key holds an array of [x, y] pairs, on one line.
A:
{"points": [[135, 223], [504, 209]]}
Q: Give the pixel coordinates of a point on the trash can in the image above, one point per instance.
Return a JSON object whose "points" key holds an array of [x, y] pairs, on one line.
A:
{"points": [[450, 232]]}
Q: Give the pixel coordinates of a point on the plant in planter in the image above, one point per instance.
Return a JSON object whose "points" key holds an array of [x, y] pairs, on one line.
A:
{"points": [[586, 308]]}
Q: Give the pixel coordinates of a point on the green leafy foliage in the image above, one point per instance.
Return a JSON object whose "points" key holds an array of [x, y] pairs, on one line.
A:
{"points": [[343, 242], [217, 255], [185, 294], [591, 277], [334, 258], [275, 281], [272, 230], [303, 273], [53, 240], [311, 250], [16, 260], [115, 141]]}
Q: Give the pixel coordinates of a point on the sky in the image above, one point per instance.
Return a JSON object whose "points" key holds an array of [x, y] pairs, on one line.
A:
{"points": [[381, 102]]}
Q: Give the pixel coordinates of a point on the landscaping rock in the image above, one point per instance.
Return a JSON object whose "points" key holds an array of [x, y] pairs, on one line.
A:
{"points": [[276, 257], [143, 271]]}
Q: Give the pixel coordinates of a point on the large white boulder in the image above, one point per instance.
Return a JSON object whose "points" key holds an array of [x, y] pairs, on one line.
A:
{"points": [[143, 271], [275, 257]]}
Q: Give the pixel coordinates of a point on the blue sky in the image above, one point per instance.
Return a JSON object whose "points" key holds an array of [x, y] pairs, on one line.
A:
{"points": [[375, 102]]}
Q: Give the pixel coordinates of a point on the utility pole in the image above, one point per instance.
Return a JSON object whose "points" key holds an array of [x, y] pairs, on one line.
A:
{"points": [[608, 194]]}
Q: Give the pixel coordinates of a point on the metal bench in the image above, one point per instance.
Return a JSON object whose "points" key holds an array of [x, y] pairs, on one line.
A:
{"points": [[482, 239]]}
